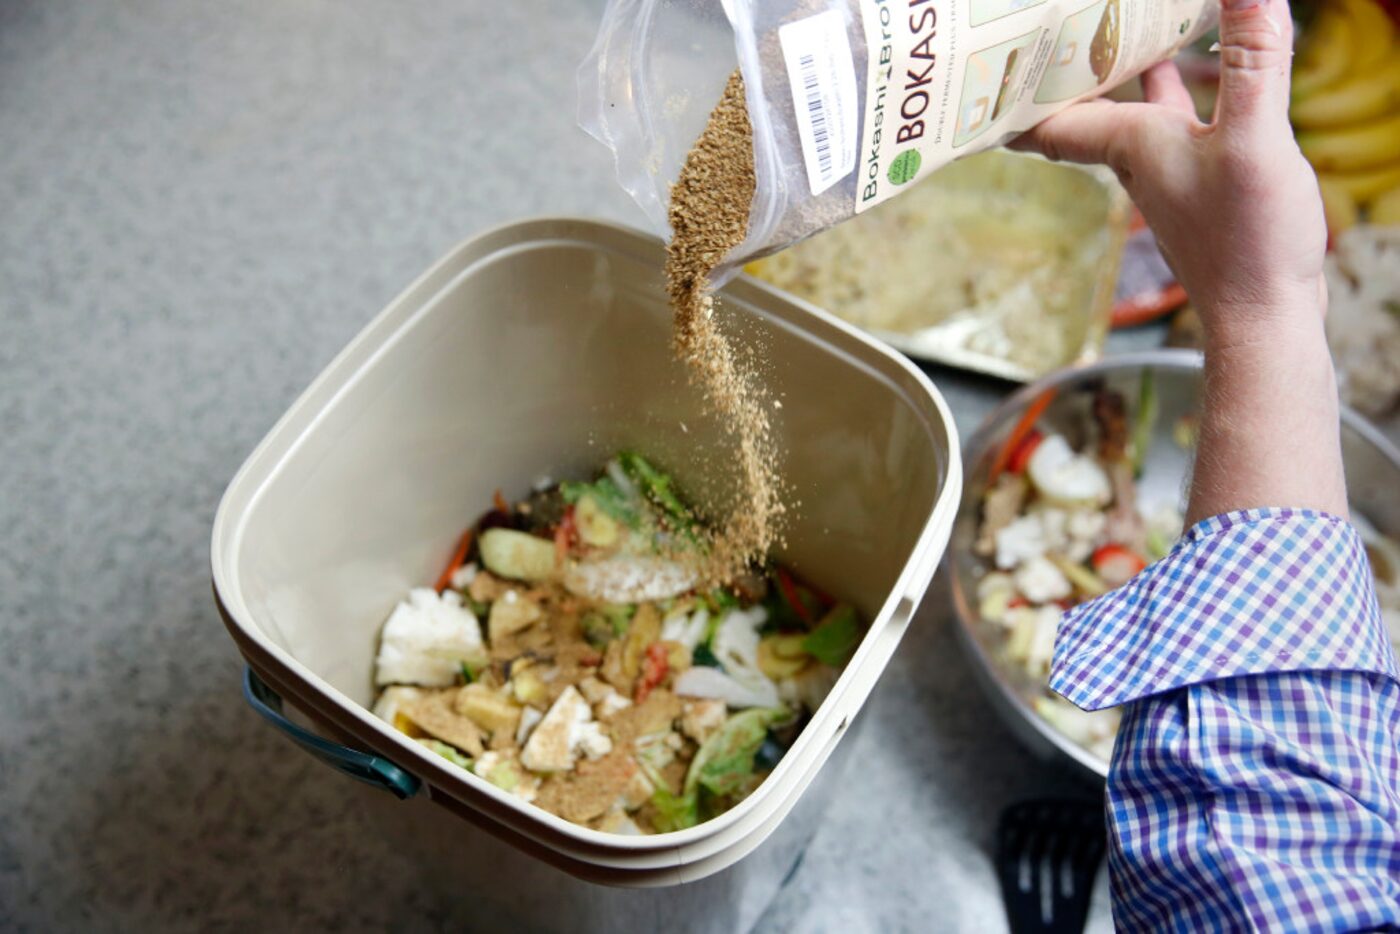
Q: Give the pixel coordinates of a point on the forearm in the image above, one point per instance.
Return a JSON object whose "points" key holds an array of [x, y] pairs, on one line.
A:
{"points": [[1269, 432]]}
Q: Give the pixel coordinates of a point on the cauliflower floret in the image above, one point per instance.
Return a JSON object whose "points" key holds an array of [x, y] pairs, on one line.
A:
{"points": [[590, 740], [1085, 524], [1040, 581], [1066, 477], [1054, 524], [426, 640], [1084, 529], [1020, 541]]}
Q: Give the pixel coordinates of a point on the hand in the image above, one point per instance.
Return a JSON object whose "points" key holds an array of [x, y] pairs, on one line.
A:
{"points": [[1234, 205], [1238, 216]]}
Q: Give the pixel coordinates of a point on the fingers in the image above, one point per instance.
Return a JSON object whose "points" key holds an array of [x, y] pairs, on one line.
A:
{"points": [[1162, 84], [1256, 52], [1089, 133]]}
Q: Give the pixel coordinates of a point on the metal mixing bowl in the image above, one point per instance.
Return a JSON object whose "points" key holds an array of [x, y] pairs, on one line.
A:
{"points": [[1373, 479]]}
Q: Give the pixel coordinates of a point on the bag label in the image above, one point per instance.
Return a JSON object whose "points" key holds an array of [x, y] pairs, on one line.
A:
{"points": [[822, 74], [947, 78]]}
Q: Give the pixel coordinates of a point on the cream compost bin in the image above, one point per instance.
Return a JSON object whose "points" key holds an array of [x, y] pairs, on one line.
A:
{"points": [[532, 351]]}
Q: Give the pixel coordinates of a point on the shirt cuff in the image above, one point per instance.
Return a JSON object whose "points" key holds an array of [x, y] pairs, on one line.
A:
{"points": [[1244, 593]]}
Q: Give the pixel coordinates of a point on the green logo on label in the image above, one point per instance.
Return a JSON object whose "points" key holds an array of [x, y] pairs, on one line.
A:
{"points": [[904, 167]]}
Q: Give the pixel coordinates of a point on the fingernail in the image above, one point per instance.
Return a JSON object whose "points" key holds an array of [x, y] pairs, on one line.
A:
{"points": [[1239, 6]]}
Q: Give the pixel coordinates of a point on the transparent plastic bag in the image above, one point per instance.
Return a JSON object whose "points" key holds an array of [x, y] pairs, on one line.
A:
{"points": [[656, 71], [658, 68]]}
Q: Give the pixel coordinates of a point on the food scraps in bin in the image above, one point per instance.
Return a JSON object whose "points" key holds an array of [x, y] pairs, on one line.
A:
{"points": [[1061, 525], [574, 659]]}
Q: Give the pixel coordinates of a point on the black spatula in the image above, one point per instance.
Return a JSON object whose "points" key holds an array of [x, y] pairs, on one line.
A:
{"points": [[1048, 852]]}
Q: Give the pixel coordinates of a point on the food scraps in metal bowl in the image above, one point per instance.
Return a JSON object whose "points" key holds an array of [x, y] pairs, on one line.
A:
{"points": [[1076, 484]]}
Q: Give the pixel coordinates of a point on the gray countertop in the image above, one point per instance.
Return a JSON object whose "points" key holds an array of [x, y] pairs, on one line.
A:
{"points": [[199, 205]]}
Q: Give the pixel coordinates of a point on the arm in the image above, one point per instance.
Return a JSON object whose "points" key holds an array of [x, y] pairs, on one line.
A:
{"points": [[1255, 783]]}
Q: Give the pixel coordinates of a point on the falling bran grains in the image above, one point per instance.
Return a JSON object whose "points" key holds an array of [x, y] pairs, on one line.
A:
{"points": [[709, 215]]}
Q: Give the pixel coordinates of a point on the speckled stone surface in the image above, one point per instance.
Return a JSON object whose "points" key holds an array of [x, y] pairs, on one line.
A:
{"points": [[199, 205]]}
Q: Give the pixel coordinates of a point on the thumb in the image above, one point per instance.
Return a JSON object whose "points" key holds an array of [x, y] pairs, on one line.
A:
{"points": [[1256, 53], [1087, 132]]}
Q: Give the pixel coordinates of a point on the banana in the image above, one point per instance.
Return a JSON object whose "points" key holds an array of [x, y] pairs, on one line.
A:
{"points": [[1373, 31], [1353, 99], [1326, 52], [1365, 186], [1385, 210], [1348, 149], [1338, 206]]}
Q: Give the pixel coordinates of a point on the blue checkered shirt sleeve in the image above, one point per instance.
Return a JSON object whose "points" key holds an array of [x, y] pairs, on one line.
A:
{"points": [[1255, 782]]}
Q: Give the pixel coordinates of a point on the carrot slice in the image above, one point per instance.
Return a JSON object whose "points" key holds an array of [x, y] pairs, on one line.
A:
{"points": [[459, 558], [788, 585], [1139, 309], [1018, 434], [1021, 457]]}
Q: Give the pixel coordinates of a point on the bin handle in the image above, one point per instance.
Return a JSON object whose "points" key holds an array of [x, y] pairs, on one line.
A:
{"points": [[361, 766]]}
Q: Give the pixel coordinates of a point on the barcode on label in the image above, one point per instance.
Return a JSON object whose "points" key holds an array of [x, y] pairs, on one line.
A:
{"points": [[823, 79], [816, 113]]}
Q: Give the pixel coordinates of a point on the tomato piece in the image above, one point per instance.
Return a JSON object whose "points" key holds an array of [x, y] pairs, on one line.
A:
{"points": [[1021, 457], [1116, 564], [654, 668]]}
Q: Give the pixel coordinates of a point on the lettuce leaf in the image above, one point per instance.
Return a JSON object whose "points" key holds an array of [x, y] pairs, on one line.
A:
{"points": [[727, 758], [835, 638]]}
